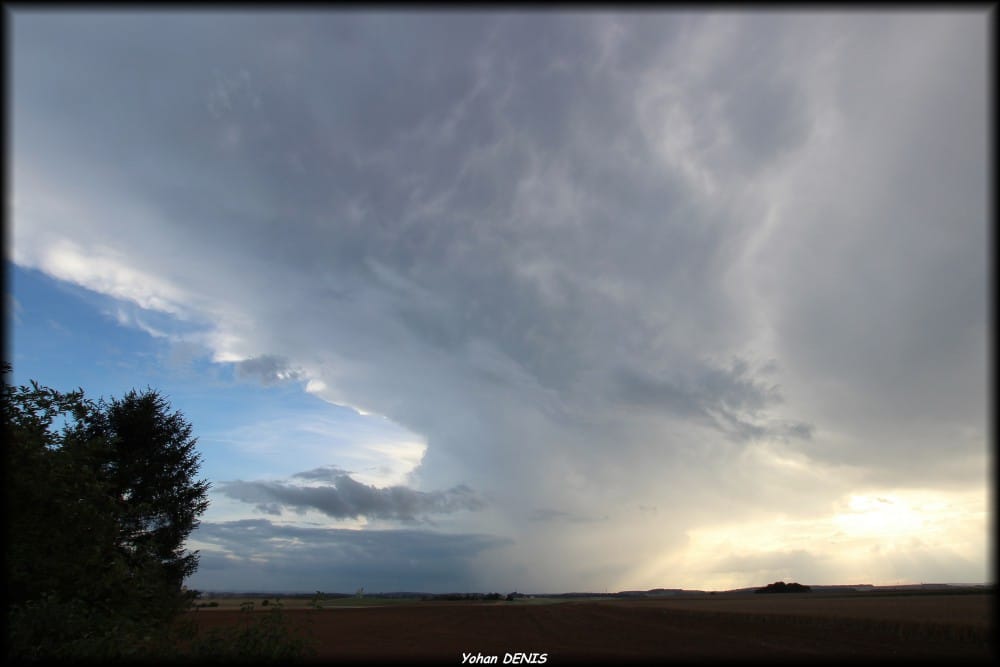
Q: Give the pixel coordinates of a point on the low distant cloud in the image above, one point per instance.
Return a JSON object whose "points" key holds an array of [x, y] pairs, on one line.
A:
{"points": [[323, 473], [256, 554], [274, 509], [344, 497]]}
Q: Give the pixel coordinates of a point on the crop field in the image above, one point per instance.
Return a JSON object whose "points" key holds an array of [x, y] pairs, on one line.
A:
{"points": [[790, 627], [235, 603]]}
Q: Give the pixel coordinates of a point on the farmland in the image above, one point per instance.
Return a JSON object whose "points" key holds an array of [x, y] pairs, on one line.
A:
{"points": [[792, 627]]}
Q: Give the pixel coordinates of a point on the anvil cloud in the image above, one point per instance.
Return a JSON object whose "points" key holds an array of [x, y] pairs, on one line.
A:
{"points": [[635, 282]]}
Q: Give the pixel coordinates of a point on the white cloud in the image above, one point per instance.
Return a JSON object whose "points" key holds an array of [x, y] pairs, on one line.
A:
{"points": [[104, 270]]}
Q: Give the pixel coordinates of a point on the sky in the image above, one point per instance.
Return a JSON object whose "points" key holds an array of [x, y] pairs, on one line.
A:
{"points": [[525, 301]]}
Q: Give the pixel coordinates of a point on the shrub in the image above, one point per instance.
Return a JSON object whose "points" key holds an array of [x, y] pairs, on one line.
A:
{"points": [[265, 637]]}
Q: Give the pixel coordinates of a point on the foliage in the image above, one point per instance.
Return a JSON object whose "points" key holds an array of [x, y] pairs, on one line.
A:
{"points": [[49, 628], [259, 636], [782, 587], [452, 597], [213, 603], [100, 497], [151, 468]]}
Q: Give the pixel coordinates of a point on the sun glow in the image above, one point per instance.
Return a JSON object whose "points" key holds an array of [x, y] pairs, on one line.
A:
{"points": [[863, 538], [881, 516]]}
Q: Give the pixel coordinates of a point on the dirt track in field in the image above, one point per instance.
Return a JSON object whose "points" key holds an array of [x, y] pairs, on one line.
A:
{"points": [[774, 628]]}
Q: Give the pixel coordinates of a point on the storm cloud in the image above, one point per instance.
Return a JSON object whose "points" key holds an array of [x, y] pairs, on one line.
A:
{"points": [[729, 265], [258, 555], [344, 497], [267, 369]]}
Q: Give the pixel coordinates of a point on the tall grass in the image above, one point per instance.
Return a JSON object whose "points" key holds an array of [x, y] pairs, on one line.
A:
{"points": [[257, 637]]}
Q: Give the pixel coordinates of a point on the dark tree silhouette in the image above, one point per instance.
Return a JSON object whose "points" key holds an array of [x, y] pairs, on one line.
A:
{"points": [[150, 469], [782, 587], [100, 499], [61, 526]]}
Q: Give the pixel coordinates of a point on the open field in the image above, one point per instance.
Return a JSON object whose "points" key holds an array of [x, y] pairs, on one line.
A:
{"points": [[781, 627], [290, 603], [235, 602]]}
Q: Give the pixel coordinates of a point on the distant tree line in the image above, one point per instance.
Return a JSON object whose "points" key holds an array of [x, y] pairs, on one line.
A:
{"points": [[469, 596], [782, 587]]}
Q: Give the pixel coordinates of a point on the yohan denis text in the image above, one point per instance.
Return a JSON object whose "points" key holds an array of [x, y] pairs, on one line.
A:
{"points": [[508, 659]]}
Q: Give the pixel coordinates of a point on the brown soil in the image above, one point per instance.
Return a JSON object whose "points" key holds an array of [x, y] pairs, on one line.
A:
{"points": [[953, 628]]}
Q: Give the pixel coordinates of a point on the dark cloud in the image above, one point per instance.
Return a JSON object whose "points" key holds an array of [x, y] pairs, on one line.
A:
{"points": [[886, 308], [274, 509], [344, 497], [256, 554], [729, 400], [328, 473], [267, 369]]}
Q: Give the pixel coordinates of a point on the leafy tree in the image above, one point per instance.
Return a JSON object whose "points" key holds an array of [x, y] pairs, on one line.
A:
{"points": [[61, 525], [150, 467], [100, 498]]}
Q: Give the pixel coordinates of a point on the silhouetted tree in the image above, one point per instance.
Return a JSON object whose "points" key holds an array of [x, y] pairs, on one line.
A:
{"points": [[61, 525], [150, 468], [782, 587], [100, 498]]}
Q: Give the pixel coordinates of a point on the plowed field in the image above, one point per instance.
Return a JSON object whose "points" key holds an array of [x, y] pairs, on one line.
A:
{"points": [[757, 628]]}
